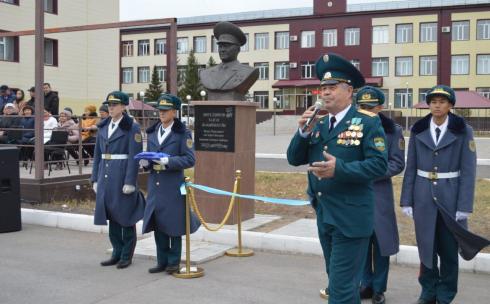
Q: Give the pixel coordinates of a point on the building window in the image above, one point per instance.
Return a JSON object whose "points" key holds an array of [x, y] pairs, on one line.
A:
{"points": [[461, 30], [483, 64], [9, 49], [330, 38], [162, 73], [144, 47], [50, 52], [282, 40], [380, 67], [483, 29], [460, 64], [214, 44], [127, 75], [403, 66], [403, 98], [127, 48], [182, 45], [485, 92], [200, 44], [181, 73], [263, 68], [143, 74], [423, 94], [307, 69], [386, 93], [380, 34], [404, 33], [50, 6], [308, 39], [16, 2], [428, 65], [262, 97], [160, 46], [244, 48], [356, 63], [262, 41], [428, 32], [281, 70], [352, 36]]}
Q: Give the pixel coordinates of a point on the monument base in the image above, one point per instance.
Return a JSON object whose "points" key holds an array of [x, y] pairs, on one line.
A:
{"points": [[224, 143]]}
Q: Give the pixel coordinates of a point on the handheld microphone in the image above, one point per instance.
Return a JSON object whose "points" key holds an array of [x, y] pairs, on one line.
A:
{"points": [[318, 107]]}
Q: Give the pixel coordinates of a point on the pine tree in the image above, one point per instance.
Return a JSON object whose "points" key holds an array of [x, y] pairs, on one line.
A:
{"points": [[191, 85], [211, 62], [155, 88]]}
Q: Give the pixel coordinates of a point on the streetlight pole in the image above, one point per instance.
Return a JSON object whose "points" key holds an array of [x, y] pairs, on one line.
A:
{"points": [[274, 101], [406, 116], [142, 96], [187, 119]]}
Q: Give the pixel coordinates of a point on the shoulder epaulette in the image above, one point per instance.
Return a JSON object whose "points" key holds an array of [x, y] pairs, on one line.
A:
{"points": [[370, 114]]}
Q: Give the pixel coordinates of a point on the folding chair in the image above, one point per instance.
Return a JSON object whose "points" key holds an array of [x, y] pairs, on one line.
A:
{"points": [[56, 149]]}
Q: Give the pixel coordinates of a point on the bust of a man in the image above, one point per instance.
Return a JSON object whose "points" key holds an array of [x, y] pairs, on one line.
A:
{"points": [[229, 80]]}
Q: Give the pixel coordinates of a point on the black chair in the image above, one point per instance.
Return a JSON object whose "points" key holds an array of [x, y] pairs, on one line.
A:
{"points": [[55, 149], [14, 136]]}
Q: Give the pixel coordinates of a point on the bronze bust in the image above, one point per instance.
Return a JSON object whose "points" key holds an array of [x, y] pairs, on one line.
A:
{"points": [[229, 80]]}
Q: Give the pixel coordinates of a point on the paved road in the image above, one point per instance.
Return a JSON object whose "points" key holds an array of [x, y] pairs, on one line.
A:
{"points": [[47, 265]]}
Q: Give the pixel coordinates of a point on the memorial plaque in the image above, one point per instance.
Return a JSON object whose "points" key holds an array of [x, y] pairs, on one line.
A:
{"points": [[215, 128]]}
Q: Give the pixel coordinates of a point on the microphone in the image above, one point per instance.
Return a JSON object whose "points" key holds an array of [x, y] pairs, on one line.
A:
{"points": [[318, 107]]}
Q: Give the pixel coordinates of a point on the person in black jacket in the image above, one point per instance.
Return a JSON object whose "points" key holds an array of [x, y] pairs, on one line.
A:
{"points": [[51, 100], [9, 120], [27, 122]]}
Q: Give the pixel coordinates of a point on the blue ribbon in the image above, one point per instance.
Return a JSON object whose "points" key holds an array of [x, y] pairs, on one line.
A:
{"points": [[265, 199]]}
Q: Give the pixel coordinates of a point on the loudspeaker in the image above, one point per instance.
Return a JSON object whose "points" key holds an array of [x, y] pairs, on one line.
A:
{"points": [[9, 190]]}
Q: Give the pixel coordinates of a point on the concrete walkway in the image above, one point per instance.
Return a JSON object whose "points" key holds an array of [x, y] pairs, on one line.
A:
{"points": [[50, 265]]}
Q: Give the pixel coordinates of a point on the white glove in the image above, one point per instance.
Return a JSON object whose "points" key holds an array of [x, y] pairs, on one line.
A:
{"points": [[461, 216], [94, 187], [408, 211], [144, 163], [162, 161], [128, 189]]}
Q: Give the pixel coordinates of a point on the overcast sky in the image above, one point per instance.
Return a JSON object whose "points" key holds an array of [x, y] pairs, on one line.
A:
{"points": [[150, 9]]}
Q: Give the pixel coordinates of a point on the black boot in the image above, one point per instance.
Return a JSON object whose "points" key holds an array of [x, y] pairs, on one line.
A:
{"points": [[157, 269], [109, 262], [378, 298], [366, 292], [123, 264], [172, 269]]}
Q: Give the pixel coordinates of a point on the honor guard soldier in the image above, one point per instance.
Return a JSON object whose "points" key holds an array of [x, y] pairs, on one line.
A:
{"points": [[345, 151], [438, 192], [384, 241], [114, 176], [165, 209]]}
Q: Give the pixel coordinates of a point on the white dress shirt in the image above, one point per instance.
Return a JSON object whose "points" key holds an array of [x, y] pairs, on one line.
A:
{"points": [[442, 127], [111, 129], [166, 133]]}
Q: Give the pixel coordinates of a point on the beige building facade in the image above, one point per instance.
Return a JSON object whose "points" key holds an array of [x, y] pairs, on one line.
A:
{"points": [[81, 66]]}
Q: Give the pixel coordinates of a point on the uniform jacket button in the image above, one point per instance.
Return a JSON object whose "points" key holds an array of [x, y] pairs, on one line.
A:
{"points": [[105, 176], [158, 183], [319, 194]]}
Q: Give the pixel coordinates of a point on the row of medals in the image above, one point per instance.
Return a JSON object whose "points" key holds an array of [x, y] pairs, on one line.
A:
{"points": [[352, 137]]}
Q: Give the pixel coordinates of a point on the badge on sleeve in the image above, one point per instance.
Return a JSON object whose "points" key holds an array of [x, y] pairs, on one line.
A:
{"points": [[472, 146], [379, 143], [137, 137], [401, 144], [189, 143]]}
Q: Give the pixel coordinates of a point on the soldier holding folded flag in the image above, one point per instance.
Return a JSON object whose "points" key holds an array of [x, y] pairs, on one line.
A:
{"points": [[165, 211]]}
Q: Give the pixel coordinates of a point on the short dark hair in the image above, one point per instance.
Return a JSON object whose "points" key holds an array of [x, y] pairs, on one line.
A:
{"points": [[47, 83]]}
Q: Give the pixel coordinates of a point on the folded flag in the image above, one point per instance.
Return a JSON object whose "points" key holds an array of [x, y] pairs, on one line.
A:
{"points": [[150, 155]]}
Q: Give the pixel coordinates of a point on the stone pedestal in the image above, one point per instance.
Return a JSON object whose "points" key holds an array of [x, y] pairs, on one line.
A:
{"points": [[224, 142]]}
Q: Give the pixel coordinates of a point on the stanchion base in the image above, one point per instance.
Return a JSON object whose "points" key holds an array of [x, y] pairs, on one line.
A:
{"points": [[195, 272], [243, 253]]}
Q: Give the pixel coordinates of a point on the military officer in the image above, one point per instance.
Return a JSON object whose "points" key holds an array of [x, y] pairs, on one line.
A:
{"points": [[165, 210], [114, 177], [346, 150], [384, 241], [439, 178]]}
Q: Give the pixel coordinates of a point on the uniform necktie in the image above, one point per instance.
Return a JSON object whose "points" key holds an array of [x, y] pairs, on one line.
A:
{"points": [[162, 130], [113, 126], [332, 123], [438, 133]]}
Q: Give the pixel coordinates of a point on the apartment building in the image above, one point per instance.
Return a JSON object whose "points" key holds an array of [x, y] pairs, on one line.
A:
{"points": [[81, 66]]}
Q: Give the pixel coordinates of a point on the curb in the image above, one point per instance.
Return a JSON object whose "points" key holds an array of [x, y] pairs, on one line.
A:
{"points": [[408, 255]]}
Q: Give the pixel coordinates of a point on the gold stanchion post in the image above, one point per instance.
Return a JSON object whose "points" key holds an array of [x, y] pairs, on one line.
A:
{"points": [[239, 251], [188, 272]]}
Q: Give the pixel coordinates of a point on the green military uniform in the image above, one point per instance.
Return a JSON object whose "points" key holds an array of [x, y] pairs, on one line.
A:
{"points": [[345, 202]]}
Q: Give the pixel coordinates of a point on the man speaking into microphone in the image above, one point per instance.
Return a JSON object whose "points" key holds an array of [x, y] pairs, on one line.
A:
{"points": [[345, 151]]}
